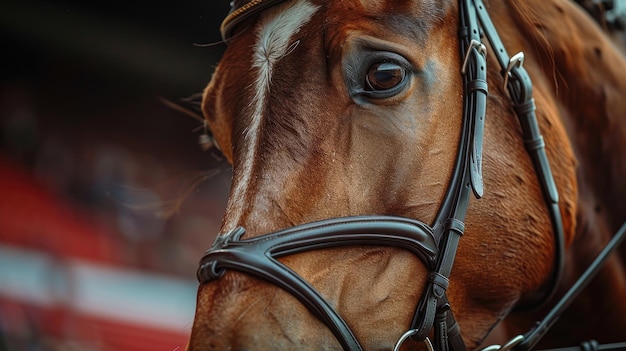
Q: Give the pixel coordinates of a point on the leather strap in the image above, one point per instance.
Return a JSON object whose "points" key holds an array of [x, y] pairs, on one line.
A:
{"points": [[257, 256], [592, 345], [519, 87], [467, 174], [534, 335], [441, 328]]}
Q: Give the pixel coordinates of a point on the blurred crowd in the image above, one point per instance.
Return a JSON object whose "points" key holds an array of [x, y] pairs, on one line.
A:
{"points": [[107, 200]]}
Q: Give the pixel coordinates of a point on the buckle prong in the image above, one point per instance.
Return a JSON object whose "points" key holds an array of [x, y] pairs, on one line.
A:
{"points": [[478, 46], [516, 60]]}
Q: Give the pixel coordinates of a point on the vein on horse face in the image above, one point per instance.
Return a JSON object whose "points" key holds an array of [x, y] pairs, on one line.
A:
{"points": [[274, 34]]}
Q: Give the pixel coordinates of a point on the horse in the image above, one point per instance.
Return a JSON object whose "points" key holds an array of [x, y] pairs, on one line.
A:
{"points": [[397, 184]]}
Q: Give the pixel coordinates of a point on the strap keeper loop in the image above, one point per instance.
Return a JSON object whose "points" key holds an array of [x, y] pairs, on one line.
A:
{"points": [[478, 85], [535, 144], [525, 107], [455, 225], [439, 280]]}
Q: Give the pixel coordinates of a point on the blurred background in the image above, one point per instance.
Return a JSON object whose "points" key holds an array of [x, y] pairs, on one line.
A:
{"points": [[107, 202]]}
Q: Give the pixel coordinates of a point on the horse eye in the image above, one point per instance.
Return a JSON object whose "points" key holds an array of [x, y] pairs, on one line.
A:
{"points": [[384, 76]]}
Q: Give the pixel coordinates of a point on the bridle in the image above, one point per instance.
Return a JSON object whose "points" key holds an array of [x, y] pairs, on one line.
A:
{"points": [[434, 245]]}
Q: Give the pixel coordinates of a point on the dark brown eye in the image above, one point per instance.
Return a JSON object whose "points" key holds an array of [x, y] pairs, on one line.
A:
{"points": [[384, 76]]}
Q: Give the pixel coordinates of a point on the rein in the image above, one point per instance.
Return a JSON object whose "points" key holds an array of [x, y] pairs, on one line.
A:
{"points": [[434, 245]]}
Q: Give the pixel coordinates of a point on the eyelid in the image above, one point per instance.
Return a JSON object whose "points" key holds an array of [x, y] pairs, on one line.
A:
{"points": [[377, 56], [368, 43]]}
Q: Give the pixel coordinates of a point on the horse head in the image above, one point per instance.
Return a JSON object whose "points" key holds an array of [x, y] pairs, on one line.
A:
{"points": [[354, 109]]}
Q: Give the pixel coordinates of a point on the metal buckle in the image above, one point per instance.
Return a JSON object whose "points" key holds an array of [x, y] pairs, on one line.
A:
{"points": [[516, 60], [408, 334], [473, 44], [506, 347]]}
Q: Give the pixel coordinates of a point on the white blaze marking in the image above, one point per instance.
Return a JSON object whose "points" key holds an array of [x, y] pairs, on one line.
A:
{"points": [[274, 34]]}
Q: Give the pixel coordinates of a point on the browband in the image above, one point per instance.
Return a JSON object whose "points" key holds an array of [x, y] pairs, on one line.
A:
{"points": [[240, 10]]}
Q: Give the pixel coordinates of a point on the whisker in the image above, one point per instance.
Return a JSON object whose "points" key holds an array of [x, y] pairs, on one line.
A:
{"points": [[208, 45], [176, 107]]}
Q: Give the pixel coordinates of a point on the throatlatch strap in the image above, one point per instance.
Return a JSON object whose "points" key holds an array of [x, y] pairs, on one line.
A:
{"points": [[534, 335], [519, 86]]}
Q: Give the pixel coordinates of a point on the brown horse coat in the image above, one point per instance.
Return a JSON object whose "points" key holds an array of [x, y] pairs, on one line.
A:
{"points": [[305, 145]]}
